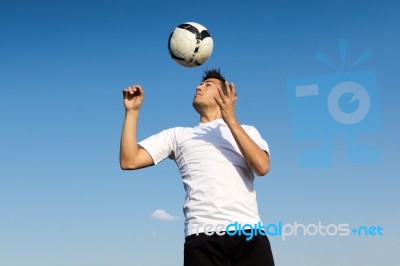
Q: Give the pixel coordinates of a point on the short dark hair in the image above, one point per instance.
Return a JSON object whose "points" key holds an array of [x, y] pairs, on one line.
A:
{"points": [[213, 73], [216, 74]]}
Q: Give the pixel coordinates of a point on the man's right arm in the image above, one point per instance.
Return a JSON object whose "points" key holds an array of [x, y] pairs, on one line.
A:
{"points": [[132, 156]]}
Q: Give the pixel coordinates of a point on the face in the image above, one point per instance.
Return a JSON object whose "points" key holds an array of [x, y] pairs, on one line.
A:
{"points": [[205, 93]]}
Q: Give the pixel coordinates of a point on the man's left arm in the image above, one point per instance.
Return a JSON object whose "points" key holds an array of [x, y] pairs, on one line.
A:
{"points": [[257, 158]]}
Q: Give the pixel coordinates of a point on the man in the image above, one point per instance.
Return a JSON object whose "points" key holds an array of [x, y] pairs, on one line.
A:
{"points": [[217, 160]]}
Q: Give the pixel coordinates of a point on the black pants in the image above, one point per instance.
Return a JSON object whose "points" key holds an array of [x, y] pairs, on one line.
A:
{"points": [[226, 250]]}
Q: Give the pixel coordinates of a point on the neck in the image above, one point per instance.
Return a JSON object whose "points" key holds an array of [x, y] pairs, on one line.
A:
{"points": [[207, 113], [208, 117]]}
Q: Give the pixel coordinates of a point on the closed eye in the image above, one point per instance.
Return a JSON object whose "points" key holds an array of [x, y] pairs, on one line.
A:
{"points": [[206, 83]]}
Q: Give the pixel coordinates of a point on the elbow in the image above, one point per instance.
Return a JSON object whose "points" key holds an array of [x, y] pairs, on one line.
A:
{"points": [[262, 171], [126, 165], [132, 164], [262, 168], [126, 162], [123, 166]]}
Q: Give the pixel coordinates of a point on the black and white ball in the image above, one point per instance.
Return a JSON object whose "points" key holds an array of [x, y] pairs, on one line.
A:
{"points": [[190, 44]]}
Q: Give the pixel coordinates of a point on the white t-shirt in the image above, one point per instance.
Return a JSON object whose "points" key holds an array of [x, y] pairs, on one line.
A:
{"points": [[217, 180]]}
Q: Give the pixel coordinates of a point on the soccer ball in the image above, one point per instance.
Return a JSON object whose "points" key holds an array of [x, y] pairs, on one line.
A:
{"points": [[190, 44]]}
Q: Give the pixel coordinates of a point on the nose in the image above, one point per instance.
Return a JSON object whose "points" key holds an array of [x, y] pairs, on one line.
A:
{"points": [[199, 88]]}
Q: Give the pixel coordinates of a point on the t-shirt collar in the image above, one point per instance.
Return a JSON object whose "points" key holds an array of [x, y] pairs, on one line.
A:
{"points": [[215, 121]]}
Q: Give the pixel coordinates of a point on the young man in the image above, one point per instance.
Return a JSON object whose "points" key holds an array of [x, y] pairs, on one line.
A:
{"points": [[217, 160]]}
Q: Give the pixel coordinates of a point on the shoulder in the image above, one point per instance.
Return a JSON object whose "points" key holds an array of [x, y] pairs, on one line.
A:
{"points": [[252, 131], [249, 128]]}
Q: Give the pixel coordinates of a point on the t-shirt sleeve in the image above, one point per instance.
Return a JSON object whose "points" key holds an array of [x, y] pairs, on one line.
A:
{"points": [[159, 146], [257, 138]]}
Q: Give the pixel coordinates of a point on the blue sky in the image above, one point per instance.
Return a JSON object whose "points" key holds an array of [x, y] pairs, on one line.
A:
{"points": [[63, 64]]}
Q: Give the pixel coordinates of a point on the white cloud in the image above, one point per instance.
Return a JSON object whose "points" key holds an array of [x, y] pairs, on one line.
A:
{"points": [[163, 215]]}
